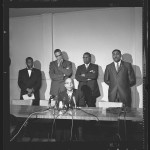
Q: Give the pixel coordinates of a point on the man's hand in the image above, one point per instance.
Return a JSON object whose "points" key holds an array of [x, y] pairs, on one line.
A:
{"points": [[60, 62], [30, 91], [89, 79], [83, 75]]}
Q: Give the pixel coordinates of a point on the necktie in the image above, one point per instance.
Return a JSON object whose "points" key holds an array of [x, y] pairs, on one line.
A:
{"points": [[86, 66], [117, 66]]}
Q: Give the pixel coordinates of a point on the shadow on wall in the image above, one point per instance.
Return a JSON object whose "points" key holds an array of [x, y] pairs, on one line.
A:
{"points": [[65, 57], [37, 65], [135, 94], [100, 78]]}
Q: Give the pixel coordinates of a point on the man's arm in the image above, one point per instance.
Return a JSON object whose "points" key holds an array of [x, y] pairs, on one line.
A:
{"points": [[93, 73], [52, 73], [79, 76], [37, 85], [20, 81], [66, 68], [106, 76], [131, 74]]}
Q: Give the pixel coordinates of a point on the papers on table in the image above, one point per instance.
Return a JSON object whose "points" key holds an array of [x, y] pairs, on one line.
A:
{"points": [[26, 97]]}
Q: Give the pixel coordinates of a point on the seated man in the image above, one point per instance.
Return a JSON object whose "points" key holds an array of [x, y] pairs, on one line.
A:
{"points": [[70, 98], [29, 81]]}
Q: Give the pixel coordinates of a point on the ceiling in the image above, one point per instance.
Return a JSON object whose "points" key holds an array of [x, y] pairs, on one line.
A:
{"points": [[19, 12]]}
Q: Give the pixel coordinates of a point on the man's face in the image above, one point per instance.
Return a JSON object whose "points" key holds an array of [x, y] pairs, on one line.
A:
{"points": [[86, 59], [58, 55], [69, 84], [29, 63], [116, 56]]}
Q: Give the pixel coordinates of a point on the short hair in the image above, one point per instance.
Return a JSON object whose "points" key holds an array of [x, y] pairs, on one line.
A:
{"points": [[87, 53], [116, 50], [57, 50], [29, 58]]}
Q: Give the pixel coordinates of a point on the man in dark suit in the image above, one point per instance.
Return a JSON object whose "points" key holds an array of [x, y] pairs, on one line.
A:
{"points": [[29, 81], [87, 75], [70, 99], [120, 77], [59, 70]]}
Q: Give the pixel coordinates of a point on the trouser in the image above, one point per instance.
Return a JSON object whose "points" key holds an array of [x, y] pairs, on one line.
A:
{"points": [[126, 103]]}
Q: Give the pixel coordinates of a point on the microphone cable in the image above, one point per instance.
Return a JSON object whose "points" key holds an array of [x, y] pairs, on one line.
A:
{"points": [[25, 122], [52, 125], [119, 115], [124, 111], [71, 124], [125, 128], [87, 113], [54, 120]]}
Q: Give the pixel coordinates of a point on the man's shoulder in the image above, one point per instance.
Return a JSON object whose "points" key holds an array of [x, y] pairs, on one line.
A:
{"points": [[52, 62], [22, 70], [36, 70], [80, 66], [110, 65], [94, 65], [63, 92]]}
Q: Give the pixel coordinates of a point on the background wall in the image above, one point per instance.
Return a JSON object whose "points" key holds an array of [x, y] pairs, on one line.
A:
{"points": [[30, 36], [96, 31]]}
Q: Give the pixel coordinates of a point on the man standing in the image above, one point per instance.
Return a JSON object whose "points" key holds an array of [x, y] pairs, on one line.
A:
{"points": [[59, 70], [29, 81], [119, 76], [87, 75]]}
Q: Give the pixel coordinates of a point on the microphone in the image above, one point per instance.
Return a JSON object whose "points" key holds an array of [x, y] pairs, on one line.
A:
{"points": [[50, 99], [74, 100]]}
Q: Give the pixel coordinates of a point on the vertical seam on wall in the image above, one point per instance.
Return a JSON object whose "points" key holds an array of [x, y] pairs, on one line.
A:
{"points": [[52, 36]]}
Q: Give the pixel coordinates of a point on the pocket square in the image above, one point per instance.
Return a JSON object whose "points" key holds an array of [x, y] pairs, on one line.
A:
{"points": [[92, 71]]}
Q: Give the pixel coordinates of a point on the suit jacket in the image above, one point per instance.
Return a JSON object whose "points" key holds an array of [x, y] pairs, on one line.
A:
{"points": [[34, 81], [58, 75], [63, 96], [90, 73], [120, 81]]}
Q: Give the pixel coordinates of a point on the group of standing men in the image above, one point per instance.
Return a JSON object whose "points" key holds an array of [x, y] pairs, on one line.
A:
{"points": [[119, 76]]}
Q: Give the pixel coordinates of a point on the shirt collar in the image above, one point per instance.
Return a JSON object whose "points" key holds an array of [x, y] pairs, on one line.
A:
{"points": [[118, 62], [29, 69], [87, 64], [69, 92]]}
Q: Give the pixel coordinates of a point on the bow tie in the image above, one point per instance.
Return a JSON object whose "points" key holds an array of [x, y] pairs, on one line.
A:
{"points": [[29, 69]]}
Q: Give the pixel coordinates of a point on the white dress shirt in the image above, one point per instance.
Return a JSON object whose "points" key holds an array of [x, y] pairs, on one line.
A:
{"points": [[87, 65], [116, 64], [69, 93], [29, 71]]}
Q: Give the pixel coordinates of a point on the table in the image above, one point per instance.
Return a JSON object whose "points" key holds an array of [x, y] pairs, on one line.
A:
{"points": [[84, 113], [87, 114]]}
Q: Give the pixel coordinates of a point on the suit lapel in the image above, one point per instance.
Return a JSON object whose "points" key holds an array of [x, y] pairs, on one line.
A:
{"points": [[32, 72], [89, 67], [84, 68], [26, 72], [114, 68]]}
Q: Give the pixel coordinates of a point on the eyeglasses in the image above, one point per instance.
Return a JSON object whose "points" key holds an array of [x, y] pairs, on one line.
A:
{"points": [[86, 57], [58, 55]]}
